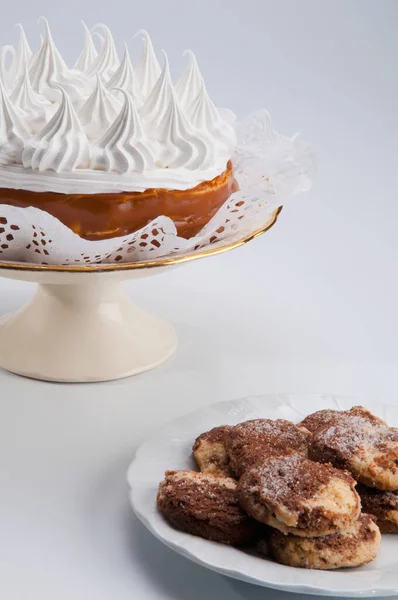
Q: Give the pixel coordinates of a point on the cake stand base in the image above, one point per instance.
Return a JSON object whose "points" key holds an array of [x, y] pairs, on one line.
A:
{"points": [[81, 325], [83, 332]]}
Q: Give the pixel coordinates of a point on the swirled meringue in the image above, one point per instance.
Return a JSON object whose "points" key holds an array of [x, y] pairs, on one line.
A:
{"points": [[205, 117], [178, 144], [124, 147], [23, 54], [107, 61], [47, 66], [99, 111], [13, 132], [148, 69], [6, 74], [124, 78], [37, 110], [61, 145], [70, 131], [88, 54], [189, 84], [158, 100], [48, 71]]}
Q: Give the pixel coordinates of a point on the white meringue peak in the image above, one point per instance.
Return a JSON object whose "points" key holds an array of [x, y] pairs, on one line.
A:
{"points": [[179, 145], [189, 84], [99, 111], [124, 147], [159, 99], [105, 125], [6, 75], [124, 77], [107, 61], [23, 54], [205, 117], [47, 65], [35, 107], [88, 54], [61, 145], [49, 71], [13, 131], [148, 69]]}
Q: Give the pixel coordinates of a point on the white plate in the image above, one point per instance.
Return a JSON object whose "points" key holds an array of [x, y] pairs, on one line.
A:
{"points": [[171, 447]]}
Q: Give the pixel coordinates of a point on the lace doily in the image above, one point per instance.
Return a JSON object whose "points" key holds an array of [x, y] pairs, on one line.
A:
{"points": [[269, 168]]}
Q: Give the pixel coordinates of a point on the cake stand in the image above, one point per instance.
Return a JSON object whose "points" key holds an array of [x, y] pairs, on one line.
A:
{"points": [[81, 325]]}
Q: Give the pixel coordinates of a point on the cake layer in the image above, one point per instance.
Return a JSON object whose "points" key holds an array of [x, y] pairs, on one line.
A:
{"points": [[102, 216]]}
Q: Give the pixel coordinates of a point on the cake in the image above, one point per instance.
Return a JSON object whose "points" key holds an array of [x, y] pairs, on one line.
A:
{"points": [[106, 147]]}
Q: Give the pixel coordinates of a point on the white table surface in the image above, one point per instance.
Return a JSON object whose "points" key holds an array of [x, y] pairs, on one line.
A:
{"points": [[309, 307]]}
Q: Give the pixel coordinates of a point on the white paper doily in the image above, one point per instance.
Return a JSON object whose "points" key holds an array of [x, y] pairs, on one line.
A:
{"points": [[269, 168]]}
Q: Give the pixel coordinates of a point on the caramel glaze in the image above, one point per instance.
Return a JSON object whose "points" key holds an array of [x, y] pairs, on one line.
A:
{"points": [[102, 216]]}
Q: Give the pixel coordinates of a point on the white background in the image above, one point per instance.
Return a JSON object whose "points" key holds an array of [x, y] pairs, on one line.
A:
{"points": [[312, 306]]}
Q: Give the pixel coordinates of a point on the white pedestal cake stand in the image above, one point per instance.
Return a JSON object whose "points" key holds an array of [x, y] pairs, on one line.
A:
{"points": [[81, 325]]}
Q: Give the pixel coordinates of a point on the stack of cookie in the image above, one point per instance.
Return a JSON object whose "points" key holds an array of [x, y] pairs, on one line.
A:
{"points": [[291, 488]]}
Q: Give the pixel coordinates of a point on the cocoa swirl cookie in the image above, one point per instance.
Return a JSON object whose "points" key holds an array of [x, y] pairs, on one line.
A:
{"points": [[326, 417], [319, 420], [205, 505], [353, 547], [383, 505], [360, 442], [252, 442], [298, 496], [210, 454]]}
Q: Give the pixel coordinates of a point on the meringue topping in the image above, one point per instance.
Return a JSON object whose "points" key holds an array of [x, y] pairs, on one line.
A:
{"points": [[88, 54], [107, 61], [179, 145], [23, 54], [47, 66], [48, 71], [61, 145], [104, 125], [99, 111], [205, 117], [13, 132], [148, 69], [5, 74], [189, 84], [124, 78], [36, 109], [158, 100], [124, 147]]}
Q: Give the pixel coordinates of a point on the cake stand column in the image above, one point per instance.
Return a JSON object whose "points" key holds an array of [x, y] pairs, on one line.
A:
{"points": [[83, 332]]}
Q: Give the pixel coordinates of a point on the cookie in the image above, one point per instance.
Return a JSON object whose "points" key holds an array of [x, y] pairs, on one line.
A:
{"points": [[326, 417], [210, 454], [319, 419], [355, 546], [363, 444], [298, 496], [205, 505], [383, 505], [252, 442]]}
